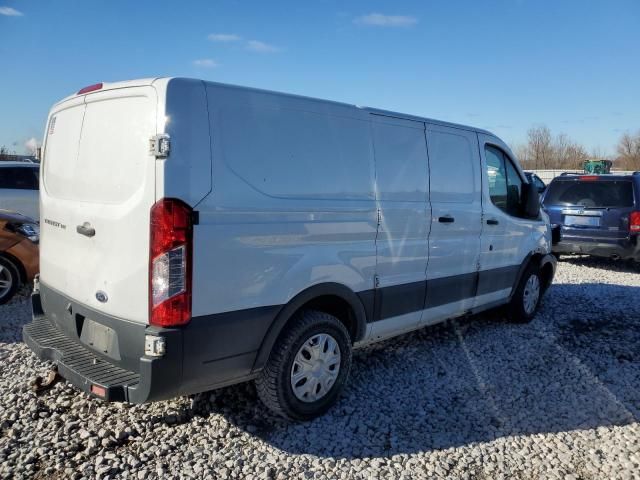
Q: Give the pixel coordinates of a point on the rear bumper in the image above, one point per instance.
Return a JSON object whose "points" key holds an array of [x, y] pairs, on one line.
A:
{"points": [[625, 249], [200, 356], [151, 379]]}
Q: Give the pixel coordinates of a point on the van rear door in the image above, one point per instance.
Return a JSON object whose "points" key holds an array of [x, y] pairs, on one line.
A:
{"points": [[97, 189]]}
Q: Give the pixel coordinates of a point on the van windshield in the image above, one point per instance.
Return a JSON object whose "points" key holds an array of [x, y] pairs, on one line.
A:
{"points": [[598, 194]]}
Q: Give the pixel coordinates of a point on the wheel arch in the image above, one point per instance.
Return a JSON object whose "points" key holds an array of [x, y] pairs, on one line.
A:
{"points": [[546, 263], [333, 298]]}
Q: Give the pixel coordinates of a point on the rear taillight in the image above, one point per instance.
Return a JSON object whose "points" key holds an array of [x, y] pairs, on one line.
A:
{"points": [[170, 255], [634, 222]]}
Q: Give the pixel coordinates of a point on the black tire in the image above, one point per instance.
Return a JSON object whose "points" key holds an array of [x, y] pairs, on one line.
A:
{"points": [[274, 382], [8, 272], [517, 311]]}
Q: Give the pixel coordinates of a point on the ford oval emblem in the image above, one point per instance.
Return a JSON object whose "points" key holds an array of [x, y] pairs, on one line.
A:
{"points": [[101, 296]]}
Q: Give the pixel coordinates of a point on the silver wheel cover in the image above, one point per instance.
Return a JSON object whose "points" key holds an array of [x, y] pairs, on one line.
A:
{"points": [[315, 368], [531, 294]]}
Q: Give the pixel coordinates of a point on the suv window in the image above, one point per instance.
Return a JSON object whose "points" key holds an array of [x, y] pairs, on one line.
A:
{"points": [[539, 183], [20, 178], [604, 193], [505, 184]]}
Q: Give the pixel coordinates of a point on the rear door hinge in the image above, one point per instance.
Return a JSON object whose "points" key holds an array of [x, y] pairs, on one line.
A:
{"points": [[376, 281], [160, 145]]}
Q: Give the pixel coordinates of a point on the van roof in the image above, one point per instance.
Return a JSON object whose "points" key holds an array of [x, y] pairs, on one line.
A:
{"points": [[150, 81]]}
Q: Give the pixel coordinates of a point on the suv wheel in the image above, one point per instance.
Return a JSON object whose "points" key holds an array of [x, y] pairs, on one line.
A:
{"points": [[307, 368], [526, 299], [9, 280]]}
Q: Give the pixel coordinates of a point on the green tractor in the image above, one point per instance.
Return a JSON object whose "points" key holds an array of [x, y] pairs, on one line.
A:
{"points": [[597, 167]]}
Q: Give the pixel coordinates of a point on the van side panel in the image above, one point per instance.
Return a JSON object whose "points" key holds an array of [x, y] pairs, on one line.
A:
{"points": [[292, 206], [187, 171]]}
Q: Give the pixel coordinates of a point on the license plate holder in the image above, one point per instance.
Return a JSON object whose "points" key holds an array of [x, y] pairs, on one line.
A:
{"points": [[581, 221], [100, 338]]}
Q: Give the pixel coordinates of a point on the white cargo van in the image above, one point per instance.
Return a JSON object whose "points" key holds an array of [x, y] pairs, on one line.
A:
{"points": [[196, 235]]}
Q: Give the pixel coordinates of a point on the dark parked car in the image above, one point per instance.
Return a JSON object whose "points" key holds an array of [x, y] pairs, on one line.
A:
{"points": [[536, 181], [596, 214]]}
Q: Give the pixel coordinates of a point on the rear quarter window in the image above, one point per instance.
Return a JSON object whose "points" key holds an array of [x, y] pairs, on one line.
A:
{"points": [[608, 193]]}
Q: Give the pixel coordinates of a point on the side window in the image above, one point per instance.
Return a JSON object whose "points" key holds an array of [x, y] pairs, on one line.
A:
{"points": [[514, 189], [19, 178], [497, 175], [10, 178], [539, 184], [505, 184]]}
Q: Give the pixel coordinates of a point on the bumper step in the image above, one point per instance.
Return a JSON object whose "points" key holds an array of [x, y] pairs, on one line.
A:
{"points": [[78, 364]]}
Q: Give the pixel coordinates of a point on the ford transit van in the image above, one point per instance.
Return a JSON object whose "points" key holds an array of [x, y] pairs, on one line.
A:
{"points": [[196, 235]]}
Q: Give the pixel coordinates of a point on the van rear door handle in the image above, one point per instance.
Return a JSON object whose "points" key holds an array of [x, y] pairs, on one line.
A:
{"points": [[492, 221], [86, 229], [446, 219]]}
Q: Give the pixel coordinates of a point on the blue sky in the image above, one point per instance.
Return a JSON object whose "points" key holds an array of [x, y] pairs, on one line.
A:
{"points": [[504, 65]]}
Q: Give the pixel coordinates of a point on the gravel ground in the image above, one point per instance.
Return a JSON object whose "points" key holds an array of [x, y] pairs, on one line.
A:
{"points": [[472, 398]]}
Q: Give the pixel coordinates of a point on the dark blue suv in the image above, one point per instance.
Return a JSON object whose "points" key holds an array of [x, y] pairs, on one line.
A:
{"points": [[595, 214]]}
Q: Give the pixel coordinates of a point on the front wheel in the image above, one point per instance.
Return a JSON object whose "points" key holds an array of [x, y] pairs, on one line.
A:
{"points": [[9, 280], [307, 368], [526, 298]]}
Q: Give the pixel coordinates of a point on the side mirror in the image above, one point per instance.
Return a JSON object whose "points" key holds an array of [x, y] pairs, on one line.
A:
{"points": [[530, 200]]}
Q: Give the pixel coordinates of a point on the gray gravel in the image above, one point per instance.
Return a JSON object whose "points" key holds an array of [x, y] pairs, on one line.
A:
{"points": [[473, 398]]}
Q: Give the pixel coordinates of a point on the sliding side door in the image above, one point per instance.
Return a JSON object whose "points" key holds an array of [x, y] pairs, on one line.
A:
{"points": [[456, 222]]}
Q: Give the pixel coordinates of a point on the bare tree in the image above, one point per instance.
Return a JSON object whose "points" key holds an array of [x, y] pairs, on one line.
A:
{"points": [[522, 154], [628, 150], [540, 150], [5, 154], [543, 151], [576, 155]]}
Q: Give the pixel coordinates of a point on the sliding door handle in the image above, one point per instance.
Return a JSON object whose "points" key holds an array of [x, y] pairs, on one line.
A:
{"points": [[446, 219]]}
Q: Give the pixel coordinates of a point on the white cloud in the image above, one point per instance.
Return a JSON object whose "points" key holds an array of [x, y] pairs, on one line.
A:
{"points": [[31, 146], [10, 12], [380, 20], [206, 63], [224, 37], [261, 47]]}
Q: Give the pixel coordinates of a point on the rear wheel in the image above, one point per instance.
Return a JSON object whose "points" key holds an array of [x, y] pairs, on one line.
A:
{"points": [[526, 298], [9, 280], [307, 368]]}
